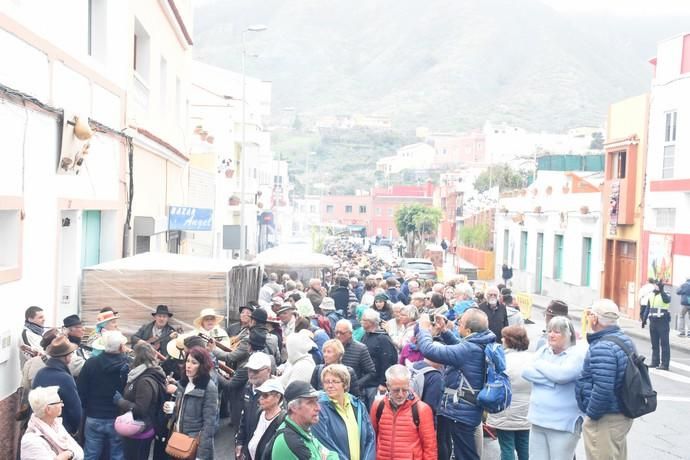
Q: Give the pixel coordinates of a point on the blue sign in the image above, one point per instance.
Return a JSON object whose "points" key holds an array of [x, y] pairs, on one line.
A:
{"points": [[190, 219]]}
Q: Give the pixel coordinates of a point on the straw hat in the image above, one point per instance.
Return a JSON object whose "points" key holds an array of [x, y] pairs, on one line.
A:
{"points": [[207, 312], [106, 316], [175, 348]]}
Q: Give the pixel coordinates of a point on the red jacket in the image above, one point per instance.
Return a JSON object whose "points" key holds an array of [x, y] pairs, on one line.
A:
{"points": [[397, 437]]}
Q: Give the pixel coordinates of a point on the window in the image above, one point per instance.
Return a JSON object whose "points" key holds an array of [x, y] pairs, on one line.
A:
{"points": [[97, 29], [142, 51], [665, 217], [523, 250], [669, 145], [10, 244], [586, 260], [329, 209], [378, 211], [362, 209], [348, 208], [618, 165], [312, 209], [163, 95], [390, 211], [558, 257]]}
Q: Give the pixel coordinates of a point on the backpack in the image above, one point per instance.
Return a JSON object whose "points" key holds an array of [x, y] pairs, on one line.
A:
{"points": [[496, 392], [417, 378], [382, 405], [637, 397]]}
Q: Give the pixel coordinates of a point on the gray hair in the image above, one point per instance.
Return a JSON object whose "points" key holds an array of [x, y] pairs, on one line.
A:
{"points": [[339, 371], [411, 311], [475, 320], [144, 354], [605, 322], [563, 326], [398, 371], [41, 397], [397, 306], [412, 284], [346, 323], [371, 315], [465, 289]]}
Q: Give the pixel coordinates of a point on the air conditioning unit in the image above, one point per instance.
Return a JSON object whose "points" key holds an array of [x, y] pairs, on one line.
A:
{"points": [[74, 145]]}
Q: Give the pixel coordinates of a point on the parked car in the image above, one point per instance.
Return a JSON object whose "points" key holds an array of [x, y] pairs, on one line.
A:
{"points": [[423, 267], [385, 242]]}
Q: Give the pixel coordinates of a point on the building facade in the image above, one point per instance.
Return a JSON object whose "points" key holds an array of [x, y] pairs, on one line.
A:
{"points": [[550, 233], [63, 186], [666, 234], [386, 200], [622, 201]]}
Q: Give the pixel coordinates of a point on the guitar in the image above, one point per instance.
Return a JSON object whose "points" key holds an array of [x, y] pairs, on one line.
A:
{"points": [[155, 341], [29, 351]]}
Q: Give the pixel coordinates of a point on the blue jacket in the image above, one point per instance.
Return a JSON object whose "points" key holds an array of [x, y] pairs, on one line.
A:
{"points": [[602, 374], [684, 293], [552, 403], [460, 308], [393, 294], [460, 356], [332, 433], [57, 373]]}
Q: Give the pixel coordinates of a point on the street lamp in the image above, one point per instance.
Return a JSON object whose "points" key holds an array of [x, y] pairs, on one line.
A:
{"points": [[243, 158]]}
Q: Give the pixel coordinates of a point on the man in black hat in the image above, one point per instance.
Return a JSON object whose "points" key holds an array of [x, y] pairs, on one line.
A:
{"points": [[158, 332], [259, 320], [74, 328]]}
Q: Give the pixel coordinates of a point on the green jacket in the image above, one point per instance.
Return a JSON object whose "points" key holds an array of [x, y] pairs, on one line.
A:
{"points": [[294, 443]]}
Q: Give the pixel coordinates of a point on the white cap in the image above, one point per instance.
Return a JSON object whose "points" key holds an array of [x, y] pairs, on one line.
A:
{"points": [[271, 385], [258, 361]]}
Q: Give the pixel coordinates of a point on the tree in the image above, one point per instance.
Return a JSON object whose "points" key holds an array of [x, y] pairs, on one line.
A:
{"points": [[597, 141], [416, 223], [502, 175]]}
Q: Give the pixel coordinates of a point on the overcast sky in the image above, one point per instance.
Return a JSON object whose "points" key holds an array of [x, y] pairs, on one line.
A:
{"points": [[624, 7]]}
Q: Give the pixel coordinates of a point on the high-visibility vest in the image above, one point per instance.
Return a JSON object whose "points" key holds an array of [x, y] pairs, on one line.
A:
{"points": [[658, 305]]}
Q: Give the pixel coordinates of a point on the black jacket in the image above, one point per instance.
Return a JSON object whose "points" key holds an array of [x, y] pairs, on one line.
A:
{"points": [[100, 378], [357, 357], [268, 434], [382, 352], [250, 417], [145, 332], [498, 318], [341, 297]]}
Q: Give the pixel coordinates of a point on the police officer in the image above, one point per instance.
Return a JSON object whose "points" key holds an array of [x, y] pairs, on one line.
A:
{"points": [[659, 326]]}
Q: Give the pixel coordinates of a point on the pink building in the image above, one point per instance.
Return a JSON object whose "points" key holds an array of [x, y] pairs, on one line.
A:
{"points": [[457, 148], [351, 210], [385, 201]]}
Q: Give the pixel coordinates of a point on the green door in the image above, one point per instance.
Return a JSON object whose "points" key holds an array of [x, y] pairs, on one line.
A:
{"points": [[91, 238], [540, 262]]}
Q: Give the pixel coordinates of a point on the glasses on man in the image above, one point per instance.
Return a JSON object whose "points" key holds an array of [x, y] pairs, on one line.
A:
{"points": [[342, 332], [55, 403]]}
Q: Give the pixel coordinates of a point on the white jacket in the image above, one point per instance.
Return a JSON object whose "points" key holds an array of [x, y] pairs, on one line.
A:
{"points": [[515, 417], [300, 365], [35, 447]]}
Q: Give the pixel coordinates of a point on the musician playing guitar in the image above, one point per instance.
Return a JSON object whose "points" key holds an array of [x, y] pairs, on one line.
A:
{"points": [[158, 332]]}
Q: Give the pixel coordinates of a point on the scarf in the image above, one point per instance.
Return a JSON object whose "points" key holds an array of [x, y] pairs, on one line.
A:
{"points": [[59, 440], [33, 327], [74, 340], [136, 372]]}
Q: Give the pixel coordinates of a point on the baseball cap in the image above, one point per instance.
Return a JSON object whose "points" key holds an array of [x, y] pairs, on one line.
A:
{"points": [[606, 308], [258, 361], [271, 385], [299, 389]]}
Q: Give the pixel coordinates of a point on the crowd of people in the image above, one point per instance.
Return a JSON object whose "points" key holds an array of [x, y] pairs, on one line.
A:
{"points": [[368, 362]]}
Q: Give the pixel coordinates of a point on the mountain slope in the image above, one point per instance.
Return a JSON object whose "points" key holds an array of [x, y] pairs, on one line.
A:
{"points": [[447, 64]]}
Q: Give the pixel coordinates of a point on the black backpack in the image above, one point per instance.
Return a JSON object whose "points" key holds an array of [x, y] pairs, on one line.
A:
{"points": [[382, 405], [637, 397]]}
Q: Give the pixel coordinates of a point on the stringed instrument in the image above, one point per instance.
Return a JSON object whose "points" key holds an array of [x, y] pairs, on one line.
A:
{"points": [[223, 367], [155, 341]]}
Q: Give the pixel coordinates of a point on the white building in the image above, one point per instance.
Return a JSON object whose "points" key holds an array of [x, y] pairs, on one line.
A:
{"points": [[306, 214], [54, 220], [550, 233], [666, 232], [216, 111], [413, 156]]}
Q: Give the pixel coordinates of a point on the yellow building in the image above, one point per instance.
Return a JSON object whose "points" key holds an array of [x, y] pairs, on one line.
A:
{"points": [[623, 201]]}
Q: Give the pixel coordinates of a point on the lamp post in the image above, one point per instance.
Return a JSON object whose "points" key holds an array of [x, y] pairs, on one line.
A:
{"points": [[243, 158]]}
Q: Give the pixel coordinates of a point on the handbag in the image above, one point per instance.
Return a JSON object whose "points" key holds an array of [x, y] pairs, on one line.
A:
{"points": [[181, 446], [126, 426]]}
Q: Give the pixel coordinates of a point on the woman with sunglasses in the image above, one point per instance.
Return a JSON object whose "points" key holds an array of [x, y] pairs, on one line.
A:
{"points": [[271, 415]]}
